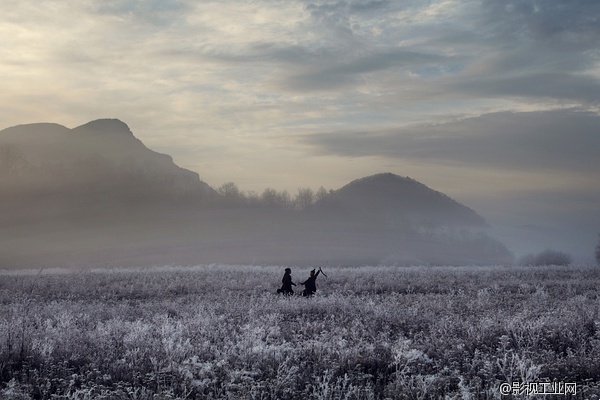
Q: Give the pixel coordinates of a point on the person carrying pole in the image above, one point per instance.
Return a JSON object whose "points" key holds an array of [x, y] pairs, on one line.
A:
{"points": [[310, 285]]}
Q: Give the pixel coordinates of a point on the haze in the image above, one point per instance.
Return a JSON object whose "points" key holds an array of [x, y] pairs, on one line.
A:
{"points": [[494, 103]]}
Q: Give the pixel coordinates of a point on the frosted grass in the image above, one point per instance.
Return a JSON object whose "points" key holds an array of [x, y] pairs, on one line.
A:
{"points": [[219, 331]]}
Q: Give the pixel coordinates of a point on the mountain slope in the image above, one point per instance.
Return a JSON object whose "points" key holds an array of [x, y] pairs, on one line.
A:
{"points": [[101, 158]]}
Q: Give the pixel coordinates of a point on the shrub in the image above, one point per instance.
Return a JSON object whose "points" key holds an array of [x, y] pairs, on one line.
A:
{"points": [[547, 257]]}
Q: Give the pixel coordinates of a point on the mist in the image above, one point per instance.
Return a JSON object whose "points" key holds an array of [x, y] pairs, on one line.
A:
{"points": [[97, 196]]}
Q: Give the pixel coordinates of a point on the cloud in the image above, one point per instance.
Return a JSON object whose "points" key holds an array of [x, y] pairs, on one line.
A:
{"points": [[541, 50], [213, 70], [536, 85], [557, 140], [157, 13], [356, 6], [346, 69], [571, 25]]}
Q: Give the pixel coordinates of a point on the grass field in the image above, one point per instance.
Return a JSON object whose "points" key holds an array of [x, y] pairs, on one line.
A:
{"points": [[220, 332]]}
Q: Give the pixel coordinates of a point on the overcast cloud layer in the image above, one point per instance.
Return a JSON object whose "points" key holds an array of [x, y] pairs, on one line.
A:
{"points": [[495, 103]]}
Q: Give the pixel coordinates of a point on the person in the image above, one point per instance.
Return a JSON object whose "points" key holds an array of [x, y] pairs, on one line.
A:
{"points": [[286, 281], [310, 285]]}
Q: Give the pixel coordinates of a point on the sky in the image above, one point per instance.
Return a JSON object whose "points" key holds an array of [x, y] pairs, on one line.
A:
{"points": [[494, 103]]}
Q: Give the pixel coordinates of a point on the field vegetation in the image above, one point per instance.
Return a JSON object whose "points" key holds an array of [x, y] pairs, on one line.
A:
{"points": [[221, 332]]}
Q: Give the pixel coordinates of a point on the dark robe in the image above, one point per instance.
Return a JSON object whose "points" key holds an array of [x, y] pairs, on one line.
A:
{"points": [[310, 285], [286, 287]]}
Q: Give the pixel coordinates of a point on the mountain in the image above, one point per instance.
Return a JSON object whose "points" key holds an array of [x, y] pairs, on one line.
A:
{"points": [[99, 161], [95, 195]]}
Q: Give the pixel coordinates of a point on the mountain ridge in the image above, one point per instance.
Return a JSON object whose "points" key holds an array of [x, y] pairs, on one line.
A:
{"points": [[104, 147], [105, 126]]}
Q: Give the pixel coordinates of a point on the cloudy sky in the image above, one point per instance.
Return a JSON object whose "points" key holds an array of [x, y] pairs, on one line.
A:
{"points": [[495, 103]]}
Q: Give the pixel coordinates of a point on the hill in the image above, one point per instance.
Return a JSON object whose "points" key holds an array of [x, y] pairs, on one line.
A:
{"points": [[396, 198]]}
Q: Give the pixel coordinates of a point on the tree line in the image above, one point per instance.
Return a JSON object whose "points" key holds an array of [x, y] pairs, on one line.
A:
{"points": [[306, 197]]}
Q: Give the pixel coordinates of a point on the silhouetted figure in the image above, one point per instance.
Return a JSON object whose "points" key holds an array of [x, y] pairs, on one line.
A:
{"points": [[310, 285], [286, 287]]}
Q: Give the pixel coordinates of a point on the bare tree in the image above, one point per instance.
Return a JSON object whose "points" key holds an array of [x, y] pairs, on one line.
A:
{"points": [[231, 194], [269, 197], [252, 198], [321, 194], [273, 198], [284, 200], [229, 189], [304, 199]]}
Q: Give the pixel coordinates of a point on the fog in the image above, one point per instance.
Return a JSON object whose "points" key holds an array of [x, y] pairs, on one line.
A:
{"points": [[96, 196], [155, 236]]}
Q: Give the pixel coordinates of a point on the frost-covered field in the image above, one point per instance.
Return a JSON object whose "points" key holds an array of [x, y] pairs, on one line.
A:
{"points": [[220, 332]]}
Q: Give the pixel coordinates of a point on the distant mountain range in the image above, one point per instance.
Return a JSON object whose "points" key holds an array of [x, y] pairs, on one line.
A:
{"points": [[95, 195]]}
